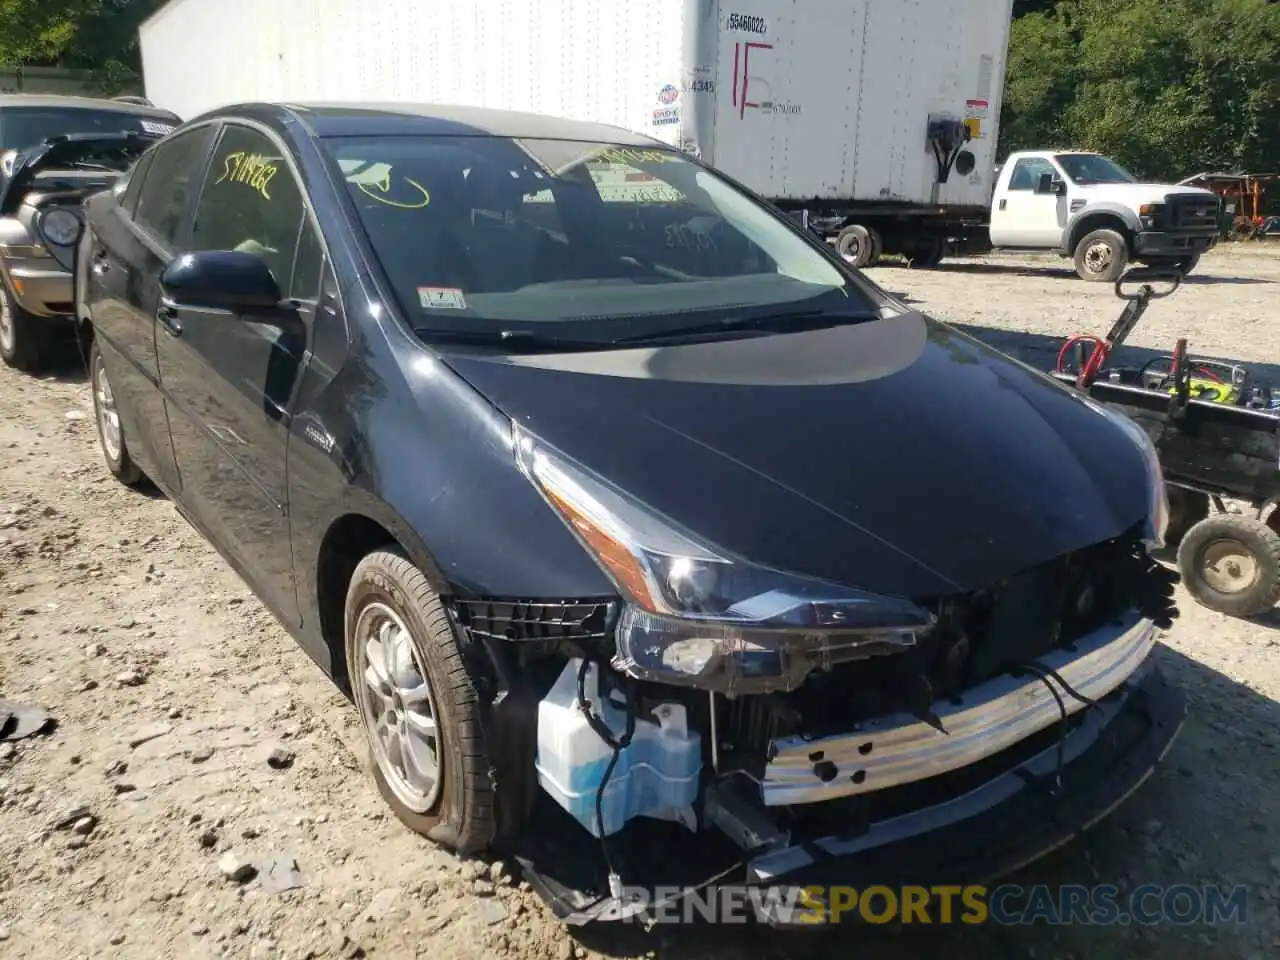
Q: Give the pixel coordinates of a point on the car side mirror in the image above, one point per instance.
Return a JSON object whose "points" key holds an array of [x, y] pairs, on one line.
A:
{"points": [[221, 279], [1050, 184]]}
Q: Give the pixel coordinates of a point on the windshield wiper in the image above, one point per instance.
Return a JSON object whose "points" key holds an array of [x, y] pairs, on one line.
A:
{"points": [[511, 339], [771, 323]]}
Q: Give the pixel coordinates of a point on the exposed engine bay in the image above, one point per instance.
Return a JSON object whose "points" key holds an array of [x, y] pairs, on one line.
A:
{"points": [[605, 776]]}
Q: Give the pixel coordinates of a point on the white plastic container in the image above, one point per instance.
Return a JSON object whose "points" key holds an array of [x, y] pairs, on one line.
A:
{"points": [[656, 774]]}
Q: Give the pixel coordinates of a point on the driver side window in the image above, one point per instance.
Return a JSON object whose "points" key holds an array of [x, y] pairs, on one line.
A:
{"points": [[250, 202], [1027, 172]]}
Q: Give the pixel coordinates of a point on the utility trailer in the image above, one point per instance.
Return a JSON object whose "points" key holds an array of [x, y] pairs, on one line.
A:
{"points": [[873, 121]]}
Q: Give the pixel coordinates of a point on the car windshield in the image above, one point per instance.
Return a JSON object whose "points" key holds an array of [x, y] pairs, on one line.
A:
{"points": [[1091, 168], [592, 241], [22, 127]]}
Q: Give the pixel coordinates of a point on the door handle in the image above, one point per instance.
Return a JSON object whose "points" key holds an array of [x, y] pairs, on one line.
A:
{"points": [[167, 314], [1003, 204]]}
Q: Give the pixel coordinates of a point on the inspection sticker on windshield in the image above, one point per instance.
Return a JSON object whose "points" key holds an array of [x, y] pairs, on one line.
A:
{"points": [[155, 126], [441, 298]]}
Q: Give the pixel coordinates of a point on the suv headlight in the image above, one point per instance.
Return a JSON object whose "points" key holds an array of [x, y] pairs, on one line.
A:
{"points": [[1157, 493], [697, 616], [60, 226]]}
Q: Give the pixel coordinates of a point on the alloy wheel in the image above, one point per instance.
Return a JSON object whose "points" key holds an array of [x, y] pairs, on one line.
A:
{"points": [[6, 323], [397, 706], [104, 401]]}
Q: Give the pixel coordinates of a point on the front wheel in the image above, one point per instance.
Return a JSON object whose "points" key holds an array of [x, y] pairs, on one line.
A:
{"points": [[23, 336], [1231, 564], [1101, 256], [419, 709]]}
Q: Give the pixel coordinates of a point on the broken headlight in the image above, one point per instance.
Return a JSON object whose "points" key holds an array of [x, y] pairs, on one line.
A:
{"points": [[698, 616]]}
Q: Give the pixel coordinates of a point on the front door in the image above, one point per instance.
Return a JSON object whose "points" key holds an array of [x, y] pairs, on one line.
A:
{"points": [[229, 379], [1024, 218]]}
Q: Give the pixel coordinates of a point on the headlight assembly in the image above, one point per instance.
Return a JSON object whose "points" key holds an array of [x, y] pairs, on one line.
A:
{"points": [[59, 226], [1157, 493], [698, 616]]}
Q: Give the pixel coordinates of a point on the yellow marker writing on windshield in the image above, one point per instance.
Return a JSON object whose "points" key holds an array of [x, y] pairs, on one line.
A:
{"points": [[378, 190]]}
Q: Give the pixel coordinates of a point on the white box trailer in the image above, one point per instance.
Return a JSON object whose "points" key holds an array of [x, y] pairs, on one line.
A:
{"points": [[875, 120]]}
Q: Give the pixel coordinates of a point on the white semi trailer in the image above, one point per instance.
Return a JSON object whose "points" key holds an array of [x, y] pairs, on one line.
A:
{"points": [[873, 120]]}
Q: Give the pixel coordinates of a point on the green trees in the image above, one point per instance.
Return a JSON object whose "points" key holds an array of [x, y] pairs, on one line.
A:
{"points": [[1166, 87], [92, 34]]}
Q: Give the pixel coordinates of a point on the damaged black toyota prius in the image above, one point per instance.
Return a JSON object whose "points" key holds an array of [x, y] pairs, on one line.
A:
{"points": [[654, 545]]}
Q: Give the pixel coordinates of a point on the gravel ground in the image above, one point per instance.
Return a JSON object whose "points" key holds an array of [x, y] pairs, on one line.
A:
{"points": [[194, 738]]}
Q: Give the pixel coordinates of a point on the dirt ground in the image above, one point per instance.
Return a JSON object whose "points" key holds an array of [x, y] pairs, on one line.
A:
{"points": [[173, 689]]}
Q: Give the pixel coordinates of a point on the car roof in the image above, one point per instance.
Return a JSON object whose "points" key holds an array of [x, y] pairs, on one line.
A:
{"points": [[394, 119], [59, 101]]}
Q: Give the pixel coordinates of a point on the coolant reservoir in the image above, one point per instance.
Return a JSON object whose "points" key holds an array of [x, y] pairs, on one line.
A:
{"points": [[655, 776]]}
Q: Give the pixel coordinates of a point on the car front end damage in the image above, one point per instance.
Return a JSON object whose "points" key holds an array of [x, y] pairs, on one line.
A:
{"points": [[724, 722]]}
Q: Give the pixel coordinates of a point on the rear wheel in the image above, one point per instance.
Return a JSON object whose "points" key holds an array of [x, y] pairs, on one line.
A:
{"points": [[23, 336], [111, 435], [418, 706], [1101, 256], [928, 252], [1231, 564]]}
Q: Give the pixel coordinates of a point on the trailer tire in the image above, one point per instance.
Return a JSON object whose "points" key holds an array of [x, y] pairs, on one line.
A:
{"points": [[1231, 564], [1187, 507], [1101, 256], [877, 246], [855, 245], [928, 253]]}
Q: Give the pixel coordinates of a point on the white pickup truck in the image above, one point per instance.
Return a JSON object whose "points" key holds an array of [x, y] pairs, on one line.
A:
{"points": [[1084, 206]]}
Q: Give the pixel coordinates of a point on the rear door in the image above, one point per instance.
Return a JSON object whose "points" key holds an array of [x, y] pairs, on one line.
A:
{"points": [[229, 379], [133, 238]]}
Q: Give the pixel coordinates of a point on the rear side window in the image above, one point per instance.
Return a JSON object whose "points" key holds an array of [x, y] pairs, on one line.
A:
{"points": [[250, 202], [168, 183], [129, 200]]}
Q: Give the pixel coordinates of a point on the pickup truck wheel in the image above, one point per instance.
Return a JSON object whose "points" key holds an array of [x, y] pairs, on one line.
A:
{"points": [[854, 244], [23, 336], [1187, 264], [419, 708], [1231, 564], [1101, 256]]}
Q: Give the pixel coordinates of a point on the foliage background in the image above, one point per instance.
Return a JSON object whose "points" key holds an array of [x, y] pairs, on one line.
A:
{"points": [[1167, 87]]}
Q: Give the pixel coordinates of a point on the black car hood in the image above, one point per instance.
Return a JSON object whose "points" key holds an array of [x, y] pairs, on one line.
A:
{"points": [[65, 152], [896, 455]]}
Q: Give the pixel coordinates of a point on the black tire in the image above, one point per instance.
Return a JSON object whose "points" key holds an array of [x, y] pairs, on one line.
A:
{"points": [[877, 246], [24, 337], [1187, 264], [928, 253], [1101, 256], [462, 816], [1186, 509], [1217, 539], [119, 462], [854, 243]]}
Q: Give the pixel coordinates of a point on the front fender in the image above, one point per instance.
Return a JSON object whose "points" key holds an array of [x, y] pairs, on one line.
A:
{"points": [[1078, 223]]}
